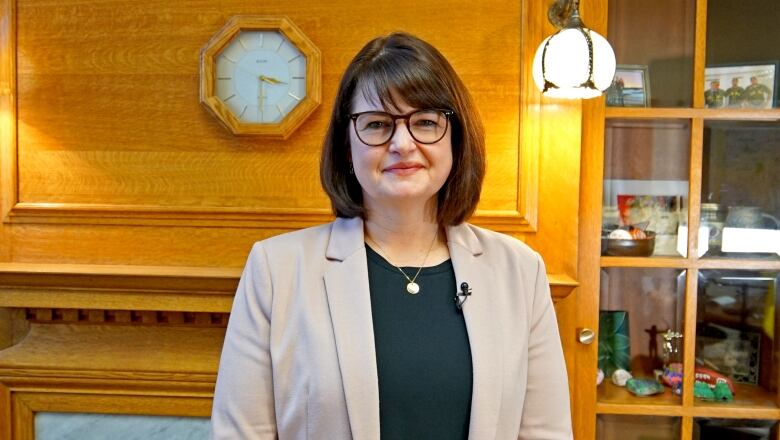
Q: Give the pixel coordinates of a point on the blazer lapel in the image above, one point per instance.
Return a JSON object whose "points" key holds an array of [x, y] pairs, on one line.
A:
{"points": [[483, 329], [346, 284]]}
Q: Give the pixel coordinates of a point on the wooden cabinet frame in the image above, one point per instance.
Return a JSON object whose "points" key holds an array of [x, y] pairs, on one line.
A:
{"points": [[594, 116]]}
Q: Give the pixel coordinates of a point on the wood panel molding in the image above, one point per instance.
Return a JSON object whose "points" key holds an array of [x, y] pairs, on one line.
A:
{"points": [[24, 405], [129, 288], [163, 354]]}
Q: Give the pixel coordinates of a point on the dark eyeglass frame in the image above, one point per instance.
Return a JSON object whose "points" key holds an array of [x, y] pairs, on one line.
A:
{"points": [[406, 117]]}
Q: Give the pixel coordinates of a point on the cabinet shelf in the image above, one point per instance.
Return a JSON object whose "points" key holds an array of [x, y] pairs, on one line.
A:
{"points": [[692, 113], [687, 263], [613, 399], [750, 402]]}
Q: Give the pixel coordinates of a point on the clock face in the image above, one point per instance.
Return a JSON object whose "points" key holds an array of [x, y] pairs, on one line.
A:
{"points": [[260, 76]]}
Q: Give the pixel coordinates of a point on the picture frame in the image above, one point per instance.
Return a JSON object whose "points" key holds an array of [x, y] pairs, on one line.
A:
{"points": [[727, 85], [630, 87]]}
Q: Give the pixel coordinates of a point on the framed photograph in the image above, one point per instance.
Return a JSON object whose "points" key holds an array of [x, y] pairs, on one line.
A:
{"points": [[630, 87], [743, 85]]}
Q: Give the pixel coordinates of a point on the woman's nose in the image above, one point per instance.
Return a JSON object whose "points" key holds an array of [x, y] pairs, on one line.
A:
{"points": [[402, 140]]}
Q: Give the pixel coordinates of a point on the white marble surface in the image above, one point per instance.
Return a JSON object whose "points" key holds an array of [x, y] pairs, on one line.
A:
{"points": [[79, 426]]}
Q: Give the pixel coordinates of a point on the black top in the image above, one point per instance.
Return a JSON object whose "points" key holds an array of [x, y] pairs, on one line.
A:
{"points": [[423, 353]]}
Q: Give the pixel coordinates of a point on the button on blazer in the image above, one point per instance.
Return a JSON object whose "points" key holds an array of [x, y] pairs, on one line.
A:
{"points": [[299, 360]]}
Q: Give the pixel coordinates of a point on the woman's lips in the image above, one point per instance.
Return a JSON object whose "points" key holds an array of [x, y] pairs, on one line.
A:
{"points": [[403, 169]]}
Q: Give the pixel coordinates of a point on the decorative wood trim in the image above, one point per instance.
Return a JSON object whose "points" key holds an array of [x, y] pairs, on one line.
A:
{"points": [[8, 120], [152, 288], [561, 285], [5, 411], [167, 357], [26, 404], [118, 404], [119, 382], [22, 419], [522, 219], [519, 220], [125, 317]]}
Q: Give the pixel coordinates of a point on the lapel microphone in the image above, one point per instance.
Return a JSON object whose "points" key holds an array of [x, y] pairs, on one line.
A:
{"points": [[462, 296]]}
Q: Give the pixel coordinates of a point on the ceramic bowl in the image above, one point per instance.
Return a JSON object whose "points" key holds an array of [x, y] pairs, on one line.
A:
{"points": [[618, 247]]}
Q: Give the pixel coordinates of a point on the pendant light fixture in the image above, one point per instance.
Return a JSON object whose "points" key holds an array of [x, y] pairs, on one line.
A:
{"points": [[575, 62]]}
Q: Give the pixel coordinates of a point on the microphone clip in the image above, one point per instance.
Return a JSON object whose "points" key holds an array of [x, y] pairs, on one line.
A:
{"points": [[462, 296]]}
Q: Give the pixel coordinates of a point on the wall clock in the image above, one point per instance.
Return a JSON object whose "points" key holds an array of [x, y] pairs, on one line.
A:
{"points": [[260, 75]]}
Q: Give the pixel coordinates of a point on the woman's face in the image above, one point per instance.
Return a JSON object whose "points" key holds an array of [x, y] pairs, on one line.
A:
{"points": [[402, 169]]}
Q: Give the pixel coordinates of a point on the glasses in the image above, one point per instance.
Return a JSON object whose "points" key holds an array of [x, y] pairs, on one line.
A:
{"points": [[426, 126]]}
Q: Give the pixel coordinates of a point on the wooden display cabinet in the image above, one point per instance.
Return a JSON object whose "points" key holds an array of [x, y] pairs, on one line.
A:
{"points": [[699, 168]]}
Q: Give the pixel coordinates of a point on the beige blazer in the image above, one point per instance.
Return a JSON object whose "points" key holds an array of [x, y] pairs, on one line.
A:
{"points": [[299, 361]]}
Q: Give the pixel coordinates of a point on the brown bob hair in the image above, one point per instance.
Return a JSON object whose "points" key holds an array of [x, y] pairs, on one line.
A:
{"points": [[419, 73]]}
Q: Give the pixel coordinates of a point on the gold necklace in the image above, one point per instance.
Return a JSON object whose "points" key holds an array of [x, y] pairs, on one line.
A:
{"points": [[412, 287]]}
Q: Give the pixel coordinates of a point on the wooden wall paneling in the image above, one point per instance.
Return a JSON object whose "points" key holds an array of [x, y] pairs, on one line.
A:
{"points": [[132, 166], [133, 206], [8, 175]]}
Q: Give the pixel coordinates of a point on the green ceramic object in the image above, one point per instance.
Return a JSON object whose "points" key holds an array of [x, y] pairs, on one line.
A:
{"points": [[703, 391], [614, 343], [644, 387], [722, 392]]}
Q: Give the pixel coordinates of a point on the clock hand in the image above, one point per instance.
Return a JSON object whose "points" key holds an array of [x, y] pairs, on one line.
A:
{"points": [[271, 80], [262, 97]]}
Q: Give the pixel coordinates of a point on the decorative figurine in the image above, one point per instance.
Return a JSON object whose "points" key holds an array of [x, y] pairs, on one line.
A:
{"points": [[703, 391], [672, 377], [723, 392], [644, 387], [712, 378], [599, 376], [719, 392], [652, 345], [672, 348], [620, 376]]}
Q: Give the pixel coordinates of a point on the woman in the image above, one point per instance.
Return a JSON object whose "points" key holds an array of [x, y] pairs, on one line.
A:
{"points": [[398, 319]]}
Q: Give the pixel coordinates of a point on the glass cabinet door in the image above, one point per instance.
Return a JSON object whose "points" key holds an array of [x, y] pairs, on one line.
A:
{"points": [[640, 352], [740, 191], [612, 427], [691, 142], [654, 49], [736, 346], [645, 196]]}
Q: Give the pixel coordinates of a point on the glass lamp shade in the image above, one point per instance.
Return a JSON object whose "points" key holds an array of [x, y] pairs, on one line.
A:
{"points": [[566, 64]]}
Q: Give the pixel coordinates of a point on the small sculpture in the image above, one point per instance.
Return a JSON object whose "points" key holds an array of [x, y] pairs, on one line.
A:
{"points": [[703, 391], [723, 392], [672, 377], [644, 387], [620, 376], [712, 378], [719, 392]]}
